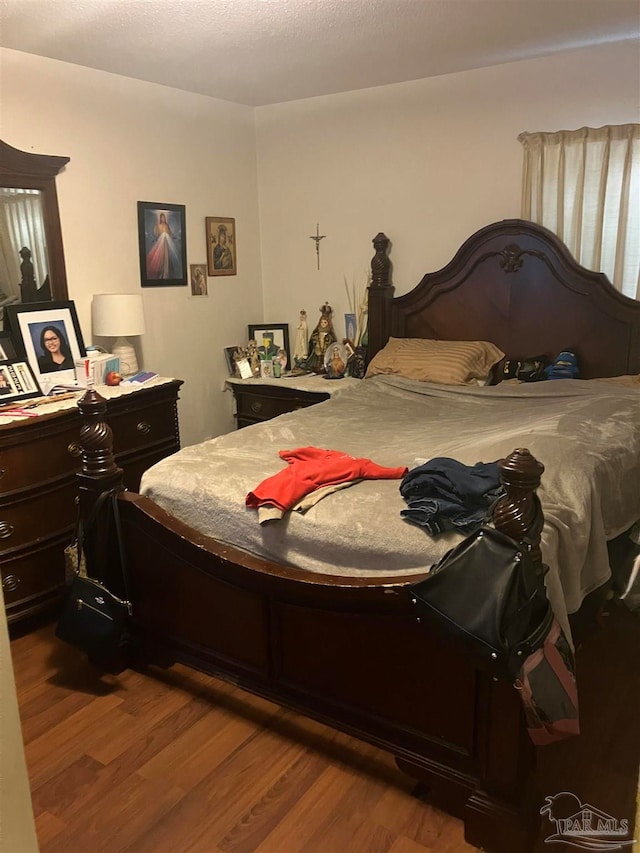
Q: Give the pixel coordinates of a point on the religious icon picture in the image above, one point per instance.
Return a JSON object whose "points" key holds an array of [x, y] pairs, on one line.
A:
{"points": [[221, 245], [162, 244], [335, 361], [198, 279]]}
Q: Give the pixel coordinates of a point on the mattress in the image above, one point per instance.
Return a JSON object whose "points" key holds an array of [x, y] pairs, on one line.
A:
{"points": [[586, 433]]}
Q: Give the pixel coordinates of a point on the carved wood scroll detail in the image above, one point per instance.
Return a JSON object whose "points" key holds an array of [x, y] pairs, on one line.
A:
{"points": [[511, 257]]}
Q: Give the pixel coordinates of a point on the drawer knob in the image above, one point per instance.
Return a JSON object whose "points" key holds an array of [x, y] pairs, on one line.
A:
{"points": [[143, 427], [256, 406], [74, 449], [6, 529], [1, 473], [10, 583]]}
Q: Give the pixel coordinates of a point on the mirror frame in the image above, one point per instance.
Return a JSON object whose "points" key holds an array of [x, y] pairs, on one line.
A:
{"points": [[38, 172]]}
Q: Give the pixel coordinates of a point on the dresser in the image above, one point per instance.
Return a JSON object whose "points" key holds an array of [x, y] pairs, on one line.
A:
{"points": [[39, 459], [259, 400]]}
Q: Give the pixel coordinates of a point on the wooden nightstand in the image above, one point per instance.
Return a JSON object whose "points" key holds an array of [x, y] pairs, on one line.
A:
{"points": [[38, 488], [262, 399]]}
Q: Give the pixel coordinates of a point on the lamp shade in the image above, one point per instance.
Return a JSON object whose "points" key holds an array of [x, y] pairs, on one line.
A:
{"points": [[117, 314]]}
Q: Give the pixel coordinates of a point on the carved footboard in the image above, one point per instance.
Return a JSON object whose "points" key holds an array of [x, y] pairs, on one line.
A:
{"points": [[346, 651]]}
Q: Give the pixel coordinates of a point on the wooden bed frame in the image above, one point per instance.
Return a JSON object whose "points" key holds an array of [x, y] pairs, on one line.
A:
{"points": [[351, 652]]}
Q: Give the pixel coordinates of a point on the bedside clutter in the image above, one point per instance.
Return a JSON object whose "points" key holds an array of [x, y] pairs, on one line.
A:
{"points": [[93, 369]]}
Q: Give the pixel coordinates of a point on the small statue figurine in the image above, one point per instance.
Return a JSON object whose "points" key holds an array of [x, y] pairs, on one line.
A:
{"points": [[253, 356], [302, 340], [321, 339], [357, 365]]}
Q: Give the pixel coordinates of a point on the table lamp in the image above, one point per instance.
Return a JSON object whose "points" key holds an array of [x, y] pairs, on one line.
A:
{"points": [[119, 315]]}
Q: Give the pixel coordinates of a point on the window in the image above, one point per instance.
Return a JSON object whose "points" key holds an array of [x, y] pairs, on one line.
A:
{"points": [[584, 185]]}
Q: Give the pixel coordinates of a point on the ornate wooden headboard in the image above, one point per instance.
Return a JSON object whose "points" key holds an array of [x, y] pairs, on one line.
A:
{"points": [[516, 284]]}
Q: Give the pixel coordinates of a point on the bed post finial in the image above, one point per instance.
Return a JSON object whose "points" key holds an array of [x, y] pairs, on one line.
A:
{"points": [[518, 514], [380, 294], [380, 263], [99, 474], [96, 437]]}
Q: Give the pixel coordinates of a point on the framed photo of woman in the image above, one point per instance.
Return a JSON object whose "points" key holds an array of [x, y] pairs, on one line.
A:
{"points": [[162, 242], [48, 335]]}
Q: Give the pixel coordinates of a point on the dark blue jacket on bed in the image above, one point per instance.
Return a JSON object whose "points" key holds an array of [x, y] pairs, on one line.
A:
{"points": [[444, 494]]}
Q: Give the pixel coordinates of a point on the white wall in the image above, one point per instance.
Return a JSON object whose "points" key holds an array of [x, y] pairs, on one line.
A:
{"points": [[132, 141], [427, 162]]}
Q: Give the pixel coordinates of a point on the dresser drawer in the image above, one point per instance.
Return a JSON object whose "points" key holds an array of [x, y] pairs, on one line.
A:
{"points": [[33, 579], [261, 403], [38, 516], [33, 457], [142, 427]]}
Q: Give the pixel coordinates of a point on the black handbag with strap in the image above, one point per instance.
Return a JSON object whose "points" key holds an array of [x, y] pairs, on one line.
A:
{"points": [[92, 618], [489, 596]]}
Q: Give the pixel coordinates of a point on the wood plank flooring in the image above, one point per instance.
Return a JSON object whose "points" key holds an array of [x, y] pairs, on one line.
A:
{"points": [[180, 762]]}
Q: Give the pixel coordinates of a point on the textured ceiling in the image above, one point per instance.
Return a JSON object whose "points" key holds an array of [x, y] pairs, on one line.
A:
{"points": [[259, 52]]}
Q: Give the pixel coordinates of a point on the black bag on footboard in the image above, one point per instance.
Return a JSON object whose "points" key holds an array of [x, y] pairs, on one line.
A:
{"points": [[93, 618], [489, 595]]}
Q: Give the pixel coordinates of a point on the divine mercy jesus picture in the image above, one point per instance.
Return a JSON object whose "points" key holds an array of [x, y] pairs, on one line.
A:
{"points": [[162, 244]]}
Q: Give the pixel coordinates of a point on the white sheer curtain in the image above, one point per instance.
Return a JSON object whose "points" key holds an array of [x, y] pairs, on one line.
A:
{"points": [[21, 224], [584, 185]]}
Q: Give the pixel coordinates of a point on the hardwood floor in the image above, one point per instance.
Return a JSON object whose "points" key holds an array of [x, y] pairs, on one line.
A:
{"points": [[180, 762]]}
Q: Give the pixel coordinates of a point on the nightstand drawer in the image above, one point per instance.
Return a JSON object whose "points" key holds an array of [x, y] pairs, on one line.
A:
{"points": [[143, 427], [263, 402]]}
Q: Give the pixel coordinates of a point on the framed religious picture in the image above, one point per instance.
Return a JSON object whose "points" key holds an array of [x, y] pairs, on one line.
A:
{"points": [[162, 244], [273, 342], [17, 381], [49, 336], [232, 356], [221, 245], [198, 279]]}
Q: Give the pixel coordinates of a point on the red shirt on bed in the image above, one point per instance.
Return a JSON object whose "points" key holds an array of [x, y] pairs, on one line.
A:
{"points": [[308, 469]]}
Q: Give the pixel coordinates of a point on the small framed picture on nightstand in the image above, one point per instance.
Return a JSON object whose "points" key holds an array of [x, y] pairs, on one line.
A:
{"points": [[273, 342], [244, 368]]}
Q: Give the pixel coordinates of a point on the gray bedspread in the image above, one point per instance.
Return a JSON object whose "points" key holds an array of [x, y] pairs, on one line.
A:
{"points": [[587, 434]]}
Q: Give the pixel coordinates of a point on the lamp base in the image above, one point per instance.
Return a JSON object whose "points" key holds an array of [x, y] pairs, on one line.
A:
{"points": [[125, 351]]}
